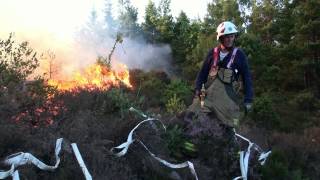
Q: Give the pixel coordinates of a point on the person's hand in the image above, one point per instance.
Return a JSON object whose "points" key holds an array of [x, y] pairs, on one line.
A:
{"points": [[247, 107]]}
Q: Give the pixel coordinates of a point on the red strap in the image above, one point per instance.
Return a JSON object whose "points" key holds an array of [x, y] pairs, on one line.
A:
{"points": [[215, 57]]}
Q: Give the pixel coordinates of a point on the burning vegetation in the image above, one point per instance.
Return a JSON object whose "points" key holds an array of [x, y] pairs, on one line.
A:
{"points": [[98, 76], [95, 77]]}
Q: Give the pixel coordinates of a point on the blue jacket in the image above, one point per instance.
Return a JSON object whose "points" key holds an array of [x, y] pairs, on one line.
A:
{"points": [[240, 63]]}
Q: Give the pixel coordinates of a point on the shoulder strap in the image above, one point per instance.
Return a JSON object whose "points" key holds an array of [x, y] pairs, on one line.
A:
{"points": [[234, 52], [215, 55]]}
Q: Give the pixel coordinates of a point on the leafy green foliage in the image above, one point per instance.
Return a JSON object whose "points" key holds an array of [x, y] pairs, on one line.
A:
{"points": [[22, 100], [278, 167], [158, 24], [178, 88], [222, 10], [128, 19], [264, 113], [175, 105], [306, 101], [17, 61], [150, 86], [175, 140], [116, 101]]}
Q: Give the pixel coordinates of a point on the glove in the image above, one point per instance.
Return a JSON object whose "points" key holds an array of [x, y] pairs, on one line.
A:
{"points": [[247, 107]]}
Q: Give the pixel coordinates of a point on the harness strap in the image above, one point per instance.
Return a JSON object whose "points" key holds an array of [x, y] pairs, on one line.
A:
{"points": [[215, 57], [234, 52]]}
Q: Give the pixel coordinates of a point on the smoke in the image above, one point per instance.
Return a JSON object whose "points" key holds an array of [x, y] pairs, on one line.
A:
{"points": [[98, 37], [76, 35], [136, 53], [141, 55]]}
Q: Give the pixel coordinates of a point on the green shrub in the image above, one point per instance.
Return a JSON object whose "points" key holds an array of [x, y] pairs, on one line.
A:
{"points": [[306, 101], [116, 101], [276, 167], [177, 88], [174, 140], [17, 61], [279, 167], [175, 105], [264, 112], [149, 85]]}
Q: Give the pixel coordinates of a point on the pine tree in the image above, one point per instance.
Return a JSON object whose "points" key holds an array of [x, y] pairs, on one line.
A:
{"points": [[158, 25], [149, 25], [111, 24], [307, 22], [128, 19], [165, 23], [222, 10]]}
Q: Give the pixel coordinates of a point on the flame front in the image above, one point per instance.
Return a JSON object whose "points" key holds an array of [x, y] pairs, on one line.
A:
{"points": [[96, 76]]}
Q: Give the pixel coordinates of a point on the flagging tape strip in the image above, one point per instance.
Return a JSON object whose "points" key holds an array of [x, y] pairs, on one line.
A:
{"points": [[5, 174], [245, 155], [138, 112], [16, 175], [125, 146], [84, 169], [144, 116], [263, 157], [173, 166], [21, 158]]}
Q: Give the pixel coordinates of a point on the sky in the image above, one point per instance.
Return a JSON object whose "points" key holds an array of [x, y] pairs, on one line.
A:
{"points": [[60, 18]]}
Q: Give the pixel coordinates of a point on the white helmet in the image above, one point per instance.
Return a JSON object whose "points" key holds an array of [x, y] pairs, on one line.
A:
{"points": [[226, 27]]}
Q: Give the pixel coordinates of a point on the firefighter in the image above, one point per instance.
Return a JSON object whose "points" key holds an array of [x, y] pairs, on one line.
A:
{"points": [[221, 72]]}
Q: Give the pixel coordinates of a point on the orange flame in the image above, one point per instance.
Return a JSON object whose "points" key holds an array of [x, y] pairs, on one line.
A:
{"points": [[96, 76]]}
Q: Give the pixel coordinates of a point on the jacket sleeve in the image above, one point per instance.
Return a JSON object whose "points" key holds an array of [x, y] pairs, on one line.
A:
{"points": [[204, 71], [247, 79]]}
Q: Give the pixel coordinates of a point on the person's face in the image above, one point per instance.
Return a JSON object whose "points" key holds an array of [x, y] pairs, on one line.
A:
{"points": [[228, 40]]}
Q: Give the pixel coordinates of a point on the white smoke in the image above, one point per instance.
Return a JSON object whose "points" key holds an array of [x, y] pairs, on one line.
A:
{"points": [[141, 55], [135, 52]]}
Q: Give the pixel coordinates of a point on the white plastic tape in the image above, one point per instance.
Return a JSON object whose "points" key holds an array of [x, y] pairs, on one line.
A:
{"points": [[263, 157], [144, 116], [84, 169], [245, 155], [15, 175], [5, 174], [22, 158], [173, 166], [138, 112], [125, 146]]}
